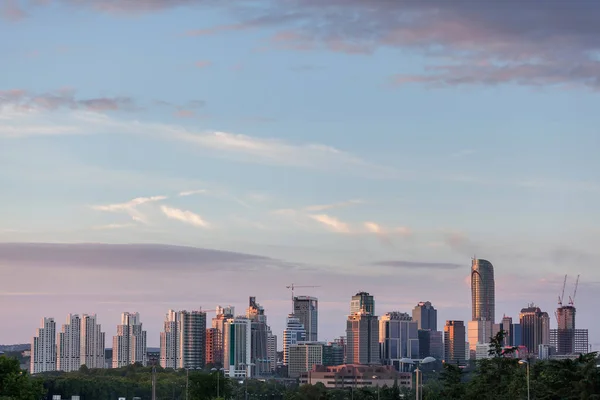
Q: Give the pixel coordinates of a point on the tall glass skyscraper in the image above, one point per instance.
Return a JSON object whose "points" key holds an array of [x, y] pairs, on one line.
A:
{"points": [[482, 290], [362, 302], [306, 308]]}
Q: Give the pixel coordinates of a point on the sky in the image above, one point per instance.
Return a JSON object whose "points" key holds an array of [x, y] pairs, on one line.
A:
{"points": [[184, 154]]}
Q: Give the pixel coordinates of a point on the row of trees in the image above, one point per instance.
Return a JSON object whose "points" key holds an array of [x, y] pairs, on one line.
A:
{"points": [[499, 377]]}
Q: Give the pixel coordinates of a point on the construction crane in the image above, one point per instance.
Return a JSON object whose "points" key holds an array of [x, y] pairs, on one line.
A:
{"points": [[562, 296], [292, 287], [572, 299]]}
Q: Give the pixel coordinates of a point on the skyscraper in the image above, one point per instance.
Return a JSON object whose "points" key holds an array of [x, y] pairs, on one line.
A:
{"points": [[259, 332], [68, 346], [482, 290], [398, 338], [218, 322], [362, 301], [509, 334], [306, 308], [362, 339], [565, 339], [293, 333], [535, 328], [425, 316], [213, 347], [183, 341], [92, 342], [43, 348], [272, 350], [479, 332], [238, 342], [455, 349], [129, 345]]}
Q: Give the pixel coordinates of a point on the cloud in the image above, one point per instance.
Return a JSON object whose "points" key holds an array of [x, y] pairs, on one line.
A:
{"points": [[203, 63], [112, 226], [192, 192], [11, 11], [322, 207], [187, 217], [22, 100], [418, 264], [332, 223], [185, 113], [128, 257], [130, 207]]}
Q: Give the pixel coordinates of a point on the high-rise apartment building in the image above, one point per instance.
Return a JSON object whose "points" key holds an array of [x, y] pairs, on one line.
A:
{"points": [[213, 348], [238, 344], [303, 356], [455, 346], [272, 350], [306, 308], [218, 322], [129, 345], [362, 339], [43, 348], [425, 315], [482, 290], [293, 333], [183, 341], [68, 346], [398, 338], [362, 302], [580, 341], [92, 342], [535, 328]]}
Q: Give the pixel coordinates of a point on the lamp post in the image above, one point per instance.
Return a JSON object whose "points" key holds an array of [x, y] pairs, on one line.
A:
{"points": [[218, 376], [248, 366], [525, 362], [418, 373]]}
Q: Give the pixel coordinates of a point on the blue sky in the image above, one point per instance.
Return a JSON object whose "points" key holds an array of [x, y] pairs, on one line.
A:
{"points": [[325, 138]]}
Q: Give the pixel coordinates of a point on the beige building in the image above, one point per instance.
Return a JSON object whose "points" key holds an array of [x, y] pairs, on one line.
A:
{"points": [[303, 357], [357, 376]]}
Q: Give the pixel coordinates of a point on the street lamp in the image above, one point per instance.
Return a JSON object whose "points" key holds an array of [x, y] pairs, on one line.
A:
{"points": [[218, 376], [418, 373], [525, 362], [248, 366]]}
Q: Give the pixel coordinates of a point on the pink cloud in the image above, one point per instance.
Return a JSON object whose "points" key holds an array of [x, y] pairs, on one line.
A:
{"points": [[203, 63], [11, 11], [185, 113]]}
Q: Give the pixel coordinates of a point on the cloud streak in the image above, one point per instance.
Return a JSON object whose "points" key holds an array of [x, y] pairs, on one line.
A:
{"points": [[130, 207], [331, 223], [186, 217], [418, 265]]}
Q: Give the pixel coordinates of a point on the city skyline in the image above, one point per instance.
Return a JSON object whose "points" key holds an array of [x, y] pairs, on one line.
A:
{"points": [[161, 155]]}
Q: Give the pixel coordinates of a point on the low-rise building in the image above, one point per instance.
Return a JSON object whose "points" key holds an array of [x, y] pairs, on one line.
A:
{"points": [[356, 376]]}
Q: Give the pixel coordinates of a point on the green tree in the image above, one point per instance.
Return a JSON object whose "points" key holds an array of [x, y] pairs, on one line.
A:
{"points": [[16, 384], [451, 378]]}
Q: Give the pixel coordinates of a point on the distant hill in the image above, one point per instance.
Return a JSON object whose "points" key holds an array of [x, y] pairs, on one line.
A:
{"points": [[15, 347]]}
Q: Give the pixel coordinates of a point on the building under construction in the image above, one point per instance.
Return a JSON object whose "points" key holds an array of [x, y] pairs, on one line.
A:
{"points": [[566, 339]]}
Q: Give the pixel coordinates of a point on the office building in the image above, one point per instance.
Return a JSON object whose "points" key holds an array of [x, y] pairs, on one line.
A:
{"points": [[362, 338], [425, 316], [455, 346], [183, 341], [333, 353], [362, 302], [482, 290], [578, 338], [259, 332], [431, 344], [506, 325], [68, 345], [43, 348], [303, 356], [293, 333], [129, 345], [306, 308], [479, 332], [398, 338], [535, 328], [92, 342], [238, 344]]}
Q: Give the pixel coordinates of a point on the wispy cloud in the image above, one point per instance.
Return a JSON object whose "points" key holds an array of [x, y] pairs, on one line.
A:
{"points": [[322, 207], [187, 217], [11, 11], [417, 264], [112, 226], [130, 207], [203, 63], [192, 192], [332, 223]]}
